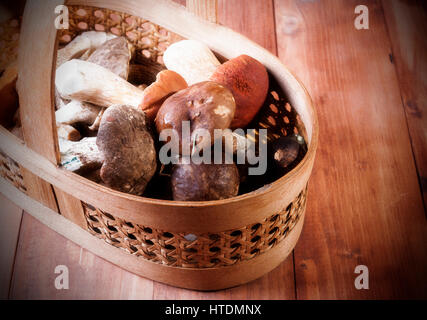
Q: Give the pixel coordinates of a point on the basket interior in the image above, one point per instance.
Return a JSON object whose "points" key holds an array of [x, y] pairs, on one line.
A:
{"points": [[149, 41]]}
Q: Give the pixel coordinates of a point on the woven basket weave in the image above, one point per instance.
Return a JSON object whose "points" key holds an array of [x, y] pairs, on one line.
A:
{"points": [[234, 250]]}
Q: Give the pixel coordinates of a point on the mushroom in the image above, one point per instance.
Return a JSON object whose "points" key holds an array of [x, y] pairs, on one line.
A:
{"points": [[167, 82], [206, 105], [77, 112], [128, 149], [81, 156], [204, 182], [89, 82], [192, 59], [248, 80], [285, 151], [113, 55], [87, 41], [68, 132]]}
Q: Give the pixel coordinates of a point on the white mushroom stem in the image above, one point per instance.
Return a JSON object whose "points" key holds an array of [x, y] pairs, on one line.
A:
{"points": [[77, 112], [86, 81], [80, 156], [85, 43], [68, 132], [193, 60]]}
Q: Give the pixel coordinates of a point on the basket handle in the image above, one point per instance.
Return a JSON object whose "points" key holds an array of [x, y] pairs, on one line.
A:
{"points": [[37, 56]]}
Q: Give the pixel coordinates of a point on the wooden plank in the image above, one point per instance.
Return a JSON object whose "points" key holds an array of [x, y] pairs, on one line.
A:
{"points": [[206, 9], [276, 285], [10, 222], [407, 28], [252, 18], [364, 205], [41, 250], [243, 16]]}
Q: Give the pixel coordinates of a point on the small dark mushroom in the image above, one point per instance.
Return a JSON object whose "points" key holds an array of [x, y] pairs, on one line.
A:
{"points": [[284, 152], [204, 182], [128, 149]]}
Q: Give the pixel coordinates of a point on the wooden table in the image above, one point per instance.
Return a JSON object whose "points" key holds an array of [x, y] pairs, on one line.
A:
{"points": [[367, 194]]}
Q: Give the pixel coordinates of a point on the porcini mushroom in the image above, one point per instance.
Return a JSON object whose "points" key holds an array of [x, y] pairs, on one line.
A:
{"points": [[206, 105], [248, 80], [77, 112], [128, 149], [68, 132], [113, 55], [204, 182], [89, 82], [80, 156], [167, 82], [87, 41], [192, 59]]}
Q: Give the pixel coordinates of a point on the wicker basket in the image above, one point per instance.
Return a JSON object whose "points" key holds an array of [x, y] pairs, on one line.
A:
{"points": [[198, 245]]}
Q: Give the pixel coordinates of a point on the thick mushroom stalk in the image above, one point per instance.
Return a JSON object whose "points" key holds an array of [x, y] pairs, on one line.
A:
{"points": [[77, 112], [113, 55], [86, 81], [81, 156], [128, 149], [68, 132], [82, 44]]}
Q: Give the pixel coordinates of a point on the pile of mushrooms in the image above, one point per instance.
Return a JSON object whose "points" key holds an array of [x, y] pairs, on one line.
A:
{"points": [[110, 113]]}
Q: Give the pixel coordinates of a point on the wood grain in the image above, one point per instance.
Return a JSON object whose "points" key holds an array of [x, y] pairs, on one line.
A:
{"points": [[40, 250], [10, 222], [252, 18], [205, 9], [70, 208], [34, 89], [407, 28], [365, 206], [34, 84], [39, 189]]}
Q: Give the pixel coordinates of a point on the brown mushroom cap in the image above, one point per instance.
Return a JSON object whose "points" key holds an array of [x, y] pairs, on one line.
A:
{"points": [[206, 105], [204, 182], [167, 82], [128, 149], [248, 80]]}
